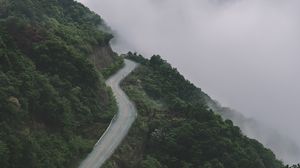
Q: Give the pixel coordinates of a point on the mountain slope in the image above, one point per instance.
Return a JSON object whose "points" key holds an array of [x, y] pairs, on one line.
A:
{"points": [[175, 127], [53, 102], [280, 144]]}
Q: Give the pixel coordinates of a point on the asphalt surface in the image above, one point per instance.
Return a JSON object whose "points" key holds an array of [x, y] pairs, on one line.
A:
{"points": [[119, 125]]}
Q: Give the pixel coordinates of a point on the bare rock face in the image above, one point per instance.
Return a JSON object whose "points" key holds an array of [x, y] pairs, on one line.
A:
{"points": [[15, 101], [102, 57]]}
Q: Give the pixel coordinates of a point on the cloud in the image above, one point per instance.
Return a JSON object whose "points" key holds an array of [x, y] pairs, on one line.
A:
{"points": [[244, 53]]}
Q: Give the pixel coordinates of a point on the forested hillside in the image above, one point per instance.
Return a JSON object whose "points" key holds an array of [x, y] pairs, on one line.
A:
{"points": [[176, 129], [54, 105], [53, 102]]}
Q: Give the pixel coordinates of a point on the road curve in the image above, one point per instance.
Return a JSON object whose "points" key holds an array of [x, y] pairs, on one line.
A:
{"points": [[119, 125]]}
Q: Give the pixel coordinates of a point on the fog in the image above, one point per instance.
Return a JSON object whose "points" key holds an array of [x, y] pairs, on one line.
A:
{"points": [[243, 53]]}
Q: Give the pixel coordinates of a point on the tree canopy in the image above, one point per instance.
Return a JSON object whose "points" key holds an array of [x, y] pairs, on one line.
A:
{"points": [[53, 102]]}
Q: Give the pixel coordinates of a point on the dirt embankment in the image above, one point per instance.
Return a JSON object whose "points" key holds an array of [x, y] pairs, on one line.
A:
{"points": [[103, 56]]}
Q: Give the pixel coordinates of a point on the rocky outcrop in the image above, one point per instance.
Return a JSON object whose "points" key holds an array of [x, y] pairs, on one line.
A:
{"points": [[15, 101], [102, 57]]}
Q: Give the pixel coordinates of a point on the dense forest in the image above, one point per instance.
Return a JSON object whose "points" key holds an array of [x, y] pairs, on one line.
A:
{"points": [[53, 102], [175, 128]]}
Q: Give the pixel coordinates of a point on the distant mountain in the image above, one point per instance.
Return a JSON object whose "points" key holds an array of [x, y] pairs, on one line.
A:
{"points": [[282, 146]]}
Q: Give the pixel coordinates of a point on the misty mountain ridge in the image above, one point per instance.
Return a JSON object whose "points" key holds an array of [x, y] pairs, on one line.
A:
{"points": [[243, 53], [54, 104], [284, 147], [176, 128]]}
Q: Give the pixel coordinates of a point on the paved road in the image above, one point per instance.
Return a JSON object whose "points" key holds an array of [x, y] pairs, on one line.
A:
{"points": [[119, 125]]}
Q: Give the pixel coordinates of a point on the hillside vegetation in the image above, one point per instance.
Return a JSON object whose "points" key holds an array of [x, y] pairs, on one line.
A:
{"points": [[53, 102], [54, 105], [176, 129]]}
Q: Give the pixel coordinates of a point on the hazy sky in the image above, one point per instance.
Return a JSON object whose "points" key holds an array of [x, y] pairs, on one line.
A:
{"points": [[244, 53]]}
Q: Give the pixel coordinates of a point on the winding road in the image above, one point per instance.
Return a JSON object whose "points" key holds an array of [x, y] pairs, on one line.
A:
{"points": [[119, 125]]}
